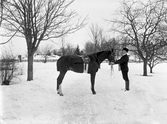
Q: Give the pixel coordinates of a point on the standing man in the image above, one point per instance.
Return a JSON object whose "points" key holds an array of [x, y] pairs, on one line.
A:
{"points": [[123, 64]]}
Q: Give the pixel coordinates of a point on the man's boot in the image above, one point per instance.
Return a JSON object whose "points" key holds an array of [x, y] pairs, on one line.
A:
{"points": [[127, 86]]}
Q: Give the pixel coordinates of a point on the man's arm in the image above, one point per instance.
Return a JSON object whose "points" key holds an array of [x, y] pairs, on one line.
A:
{"points": [[122, 60]]}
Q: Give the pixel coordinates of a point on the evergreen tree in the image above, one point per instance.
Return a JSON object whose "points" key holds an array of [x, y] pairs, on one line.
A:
{"points": [[77, 50]]}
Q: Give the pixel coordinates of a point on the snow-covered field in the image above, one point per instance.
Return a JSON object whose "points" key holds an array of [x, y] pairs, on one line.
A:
{"points": [[37, 102]]}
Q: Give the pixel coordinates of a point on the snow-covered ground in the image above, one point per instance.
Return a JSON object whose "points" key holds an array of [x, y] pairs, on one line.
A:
{"points": [[37, 102]]}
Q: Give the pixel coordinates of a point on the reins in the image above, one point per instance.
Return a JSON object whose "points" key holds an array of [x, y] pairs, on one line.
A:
{"points": [[112, 71], [111, 68]]}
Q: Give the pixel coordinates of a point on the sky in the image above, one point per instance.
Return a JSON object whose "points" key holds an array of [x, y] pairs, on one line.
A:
{"points": [[96, 10]]}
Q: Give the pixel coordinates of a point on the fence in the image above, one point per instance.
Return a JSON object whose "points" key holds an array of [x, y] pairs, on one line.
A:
{"points": [[41, 60]]}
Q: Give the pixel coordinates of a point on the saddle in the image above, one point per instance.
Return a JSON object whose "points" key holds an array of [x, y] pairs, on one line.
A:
{"points": [[80, 59], [85, 59]]}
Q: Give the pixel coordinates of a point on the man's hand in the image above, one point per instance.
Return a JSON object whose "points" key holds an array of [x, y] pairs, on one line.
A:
{"points": [[111, 63]]}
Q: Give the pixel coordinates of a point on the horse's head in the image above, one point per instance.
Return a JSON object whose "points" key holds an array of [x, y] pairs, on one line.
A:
{"points": [[111, 57]]}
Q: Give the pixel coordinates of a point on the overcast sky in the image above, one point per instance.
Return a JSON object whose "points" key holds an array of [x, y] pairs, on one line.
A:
{"points": [[97, 11]]}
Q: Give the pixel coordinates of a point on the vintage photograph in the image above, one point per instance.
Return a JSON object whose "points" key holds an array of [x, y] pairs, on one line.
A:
{"points": [[83, 62]]}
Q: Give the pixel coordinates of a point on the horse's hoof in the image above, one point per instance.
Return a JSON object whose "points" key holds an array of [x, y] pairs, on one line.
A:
{"points": [[61, 94], [94, 93]]}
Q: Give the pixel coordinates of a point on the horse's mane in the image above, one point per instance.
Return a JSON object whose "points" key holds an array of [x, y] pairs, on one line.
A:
{"points": [[97, 53], [94, 56]]}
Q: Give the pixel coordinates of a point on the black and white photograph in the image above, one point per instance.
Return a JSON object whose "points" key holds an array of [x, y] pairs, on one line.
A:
{"points": [[83, 62]]}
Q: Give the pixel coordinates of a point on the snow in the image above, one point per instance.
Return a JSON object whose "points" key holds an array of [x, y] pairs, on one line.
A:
{"points": [[37, 102]]}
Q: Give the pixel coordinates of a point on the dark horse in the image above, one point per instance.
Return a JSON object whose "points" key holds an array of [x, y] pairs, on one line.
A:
{"points": [[76, 63]]}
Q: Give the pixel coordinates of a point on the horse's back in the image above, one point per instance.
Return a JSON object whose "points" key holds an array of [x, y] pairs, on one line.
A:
{"points": [[70, 62]]}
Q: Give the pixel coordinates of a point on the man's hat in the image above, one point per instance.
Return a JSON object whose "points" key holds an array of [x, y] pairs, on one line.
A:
{"points": [[126, 49]]}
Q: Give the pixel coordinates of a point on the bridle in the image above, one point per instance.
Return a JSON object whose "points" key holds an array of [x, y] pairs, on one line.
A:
{"points": [[112, 56]]}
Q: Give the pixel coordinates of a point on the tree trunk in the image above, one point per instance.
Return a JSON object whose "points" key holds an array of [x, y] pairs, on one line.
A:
{"points": [[151, 69], [30, 67], [145, 68], [45, 59]]}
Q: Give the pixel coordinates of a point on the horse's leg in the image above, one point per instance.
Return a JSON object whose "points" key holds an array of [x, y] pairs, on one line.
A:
{"points": [[59, 81], [92, 77]]}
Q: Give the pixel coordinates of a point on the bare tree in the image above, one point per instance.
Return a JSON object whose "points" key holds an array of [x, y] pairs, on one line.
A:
{"points": [[141, 21], [96, 35], [114, 43], [89, 47], [2, 2], [159, 57], [8, 67], [66, 48], [45, 51], [38, 20], [63, 45], [69, 50], [105, 44]]}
